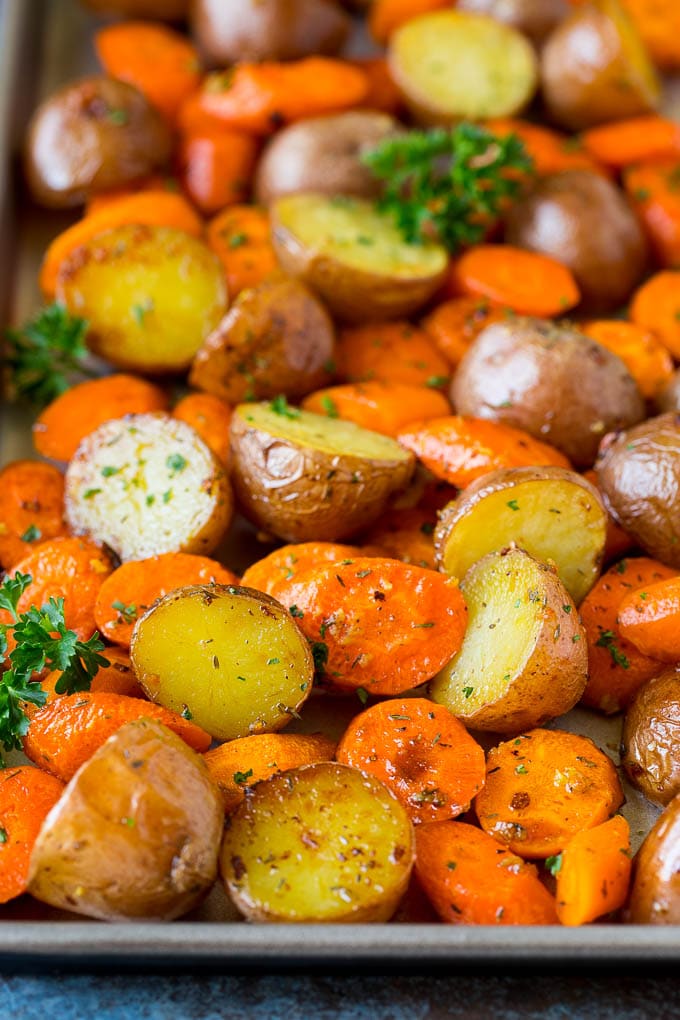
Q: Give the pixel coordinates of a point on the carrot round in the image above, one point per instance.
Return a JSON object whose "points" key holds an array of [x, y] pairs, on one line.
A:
{"points": [[421, 752], [543, 787], [550, 151], [247, 760], [594, 872], [383, 94], [134, 587], [154, 182], [27, 795], [656, 306], [635, 140], [526, 281], [240, 236], [59, 429], [653, 191], [390, 352], [210, 417], [377, 623], [454, 324], [117, 678], [31, 508], [274, 573], [647, 360], [216, 168], [379, 406], [658, 22], [406, 535], [649, 618], [386, 16], [64, 734], [470, 878]]}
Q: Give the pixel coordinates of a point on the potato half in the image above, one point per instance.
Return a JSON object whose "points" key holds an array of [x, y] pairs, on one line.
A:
{"points": [[305, 477], [324, 842], [150, 295], [555, 515], [230, 658], [354, 256], [524, 658], [147, 484], [135, 834], [655, 895]]}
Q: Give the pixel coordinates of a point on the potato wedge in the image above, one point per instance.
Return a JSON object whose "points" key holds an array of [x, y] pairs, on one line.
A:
{"points": [[655, 896], [323, 842], [231, 658], [524, 658], [135, 834], [354, 256], [555, 515], [150, 295], [451, 65], [305, 477], [147, 484]]}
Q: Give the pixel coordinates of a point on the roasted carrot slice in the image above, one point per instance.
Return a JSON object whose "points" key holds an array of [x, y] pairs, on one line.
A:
{"points": [[216, 168], [383, 94], [658, 22], [527, 282], [550, 151], [635, 140], [380, 406], [454, 324], [656, 306], [274, 573], [649, 618], [390, 352], [386, 16], [594, 872], [27, 795], [653, 190], [210, 416], [646, 359], [240, 236], [31, 508], [117, 678]]}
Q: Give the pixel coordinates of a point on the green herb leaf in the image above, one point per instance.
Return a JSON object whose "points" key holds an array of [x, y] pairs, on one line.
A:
{"points": [[329, 406], [45, 356], [31, 534], [607, 640], [128, 613], [242, 777], [279, 405], [554, 864]]}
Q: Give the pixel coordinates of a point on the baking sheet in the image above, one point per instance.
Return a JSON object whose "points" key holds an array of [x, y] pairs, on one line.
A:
{"points": [[42, 44]]}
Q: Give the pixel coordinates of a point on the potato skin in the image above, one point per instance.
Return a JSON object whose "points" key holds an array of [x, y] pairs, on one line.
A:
{"points": [[553, 382], [158, 10], [584, 221], [535, 18], [655, 896], [638, 473], [227, 31], [89, 136], [135, 834], [669, 398], [650, 749]]}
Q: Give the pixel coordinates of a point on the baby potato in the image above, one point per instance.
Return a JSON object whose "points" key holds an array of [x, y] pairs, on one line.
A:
{"points": [[135, 834], [535, 18], [159, 10], [323, 842], [90, 136], [650, 748], [655, 896], [230, 658], [524, 658], [151, 295]]}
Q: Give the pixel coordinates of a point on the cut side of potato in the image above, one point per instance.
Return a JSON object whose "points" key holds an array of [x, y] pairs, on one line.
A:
{"points": [[324, 842], [306, 477], [555, 515], [147, 484], [354, 256], [232, 659], [524, 657], [151, 295]]}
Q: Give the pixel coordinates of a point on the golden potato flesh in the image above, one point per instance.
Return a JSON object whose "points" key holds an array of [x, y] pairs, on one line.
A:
{"points": [[324, 842], [230, 658]]}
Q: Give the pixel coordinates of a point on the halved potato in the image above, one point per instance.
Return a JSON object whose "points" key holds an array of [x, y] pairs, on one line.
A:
{"points": [[305, 477], [555, 515], [324, 842], [232, 659], [147, 484], [354, 256], [450, 65], [150, 295], [135, 834], [524, 658]]}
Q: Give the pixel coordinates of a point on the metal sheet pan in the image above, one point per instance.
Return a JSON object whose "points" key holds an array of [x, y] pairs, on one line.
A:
{"points": [[42, 44]]}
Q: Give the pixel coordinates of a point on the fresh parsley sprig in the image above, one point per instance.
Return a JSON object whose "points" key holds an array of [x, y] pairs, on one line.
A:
{"points": [[448, 185], [46, 355]]}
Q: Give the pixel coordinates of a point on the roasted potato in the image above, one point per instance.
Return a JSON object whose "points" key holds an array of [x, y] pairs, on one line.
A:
{"points": [[229, 31], [90, 136], [324, 842], [552, 381], [323, 155], [554, 514], [159, 10], [354, 256], [135, 834], [650, 748], [584, 221], [304, 477], [450, 64], [524, 658], [151, 295], [535, 18], [147, 484], [638, 472], [276, 338], [594, 68], [669, 397], [655, 896]]}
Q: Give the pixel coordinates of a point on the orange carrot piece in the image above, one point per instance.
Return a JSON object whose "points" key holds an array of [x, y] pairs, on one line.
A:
{"points": [[550, 151], [656, 306], [617, 542], [247, 760], [210, 416], [637, 140], [526, 281], [64, 734], [393, 352], [154, 182], [274, 573], [647, 360], [386, 16], [149, 208], [387, 626], [215, 169], [543, 787], [459, 450], [27, 796], [454, 324], [59, 429], [405, 535], [379, 406], [193, 119], [594, 873], [160, 62], [653, 190], [117, 678], [134, 587], [658, 22], [421, 752], [383, 94], [241, 238], [649, 618], [470, 878], [31, 508]]}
